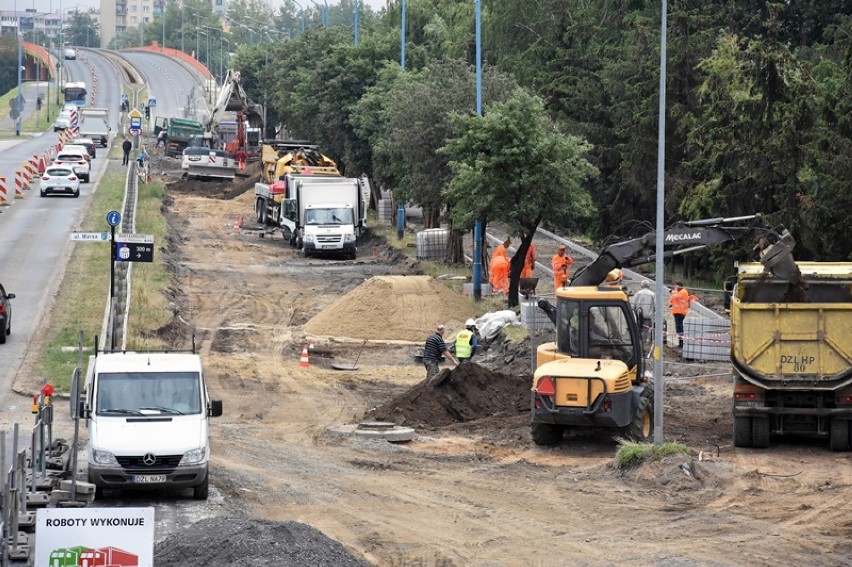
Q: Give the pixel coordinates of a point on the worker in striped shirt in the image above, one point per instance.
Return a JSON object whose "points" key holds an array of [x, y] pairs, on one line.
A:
{"points": [[434, 349]]}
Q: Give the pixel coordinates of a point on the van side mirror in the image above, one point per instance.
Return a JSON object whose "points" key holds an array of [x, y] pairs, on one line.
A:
{"points": [[215, 409]]}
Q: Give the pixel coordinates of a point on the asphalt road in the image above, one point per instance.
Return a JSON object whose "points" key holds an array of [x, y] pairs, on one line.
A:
{"points": [[177, 92]]}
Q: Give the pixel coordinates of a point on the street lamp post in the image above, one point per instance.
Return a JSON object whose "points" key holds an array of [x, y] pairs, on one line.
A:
{"points": [[402, 42], [20, 98], [477, 229], [302, 14], [357, 23], [222, 40]]}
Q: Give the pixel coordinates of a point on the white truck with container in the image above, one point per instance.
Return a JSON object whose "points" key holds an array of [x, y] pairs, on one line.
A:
{"points": [[322, 214], [148, 419], [94, 124]]}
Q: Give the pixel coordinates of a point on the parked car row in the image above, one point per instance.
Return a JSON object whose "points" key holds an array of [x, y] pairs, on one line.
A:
{"points": [[71, 166]]}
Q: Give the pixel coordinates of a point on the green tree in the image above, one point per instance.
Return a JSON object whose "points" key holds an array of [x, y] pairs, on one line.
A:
{"points": [[8, 62], [515, 165], [82, 28]]}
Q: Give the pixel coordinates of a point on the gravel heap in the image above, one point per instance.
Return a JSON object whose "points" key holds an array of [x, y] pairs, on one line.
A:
{"points": [[225, 542]]}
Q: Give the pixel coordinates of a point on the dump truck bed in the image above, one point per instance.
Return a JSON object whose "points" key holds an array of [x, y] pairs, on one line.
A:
{"points": [[793, 337]]}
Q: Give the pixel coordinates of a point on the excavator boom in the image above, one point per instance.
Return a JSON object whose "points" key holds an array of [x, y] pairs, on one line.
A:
{"points": [[775, 245]]}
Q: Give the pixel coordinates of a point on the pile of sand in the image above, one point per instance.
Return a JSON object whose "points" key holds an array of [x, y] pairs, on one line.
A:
{"points": [[393, 308]]}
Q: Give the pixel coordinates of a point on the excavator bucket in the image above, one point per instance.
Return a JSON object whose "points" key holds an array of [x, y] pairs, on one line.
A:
{"points": [[778, 259]]}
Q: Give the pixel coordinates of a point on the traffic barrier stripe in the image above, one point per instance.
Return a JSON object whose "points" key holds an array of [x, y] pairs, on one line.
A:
{"points": [[4, 198]]}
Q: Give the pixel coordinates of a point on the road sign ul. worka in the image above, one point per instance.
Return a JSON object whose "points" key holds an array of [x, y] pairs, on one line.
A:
{"points": [[119, 537], [134, 248]]}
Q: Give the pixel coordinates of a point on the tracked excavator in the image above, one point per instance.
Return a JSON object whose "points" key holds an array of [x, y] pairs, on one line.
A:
{"points": [[233, 98], [593, 375]]}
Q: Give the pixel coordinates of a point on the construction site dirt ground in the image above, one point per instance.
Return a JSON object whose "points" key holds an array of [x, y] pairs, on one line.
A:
{"points": [[471, 488]]}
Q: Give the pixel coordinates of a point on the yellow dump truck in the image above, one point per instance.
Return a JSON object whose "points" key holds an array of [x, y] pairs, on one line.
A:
{"points": [[791, 350]]}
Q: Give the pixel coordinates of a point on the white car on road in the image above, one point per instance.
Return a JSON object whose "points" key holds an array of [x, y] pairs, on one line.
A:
{"points": [[59, 179], [77, 160]]}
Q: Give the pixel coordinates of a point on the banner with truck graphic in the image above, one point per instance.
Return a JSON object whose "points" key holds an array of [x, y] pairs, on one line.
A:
{"points": [[94, 537]]}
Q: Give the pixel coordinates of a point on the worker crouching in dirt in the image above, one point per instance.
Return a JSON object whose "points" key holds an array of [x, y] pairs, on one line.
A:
{"points": [[467, 342], [434, 349]]}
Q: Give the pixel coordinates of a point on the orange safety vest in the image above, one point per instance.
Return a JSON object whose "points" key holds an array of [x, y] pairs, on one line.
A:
{"points": [[679, 301], [499, 274], [529, 262], [560, 266]]}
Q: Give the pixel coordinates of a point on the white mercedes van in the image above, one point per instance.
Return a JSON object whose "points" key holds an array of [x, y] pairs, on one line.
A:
{"points": [[147, 416]]}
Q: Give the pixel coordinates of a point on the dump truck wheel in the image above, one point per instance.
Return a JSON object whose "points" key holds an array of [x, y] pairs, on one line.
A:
{"points": [[742, 432], [760, 432], [642, 426], [546, 434], [839, 439]]}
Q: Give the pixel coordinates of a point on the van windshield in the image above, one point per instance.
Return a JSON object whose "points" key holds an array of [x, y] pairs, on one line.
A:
{"points": [[146, 393], [338, 215]]}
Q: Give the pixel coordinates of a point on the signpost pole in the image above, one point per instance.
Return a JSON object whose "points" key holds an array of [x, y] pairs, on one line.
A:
{"points": [[112, 288]]}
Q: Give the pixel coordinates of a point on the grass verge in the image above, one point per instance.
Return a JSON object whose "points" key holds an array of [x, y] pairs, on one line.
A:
{"points": [[632, 454], [84, 292]]}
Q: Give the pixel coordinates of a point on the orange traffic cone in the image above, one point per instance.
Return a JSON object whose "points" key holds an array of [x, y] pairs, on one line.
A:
{"points": [[305, 361], [236, 225]]}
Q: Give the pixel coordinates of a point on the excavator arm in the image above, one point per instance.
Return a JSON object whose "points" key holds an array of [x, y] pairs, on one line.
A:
{"points": [[775, 246], [233, 97]]}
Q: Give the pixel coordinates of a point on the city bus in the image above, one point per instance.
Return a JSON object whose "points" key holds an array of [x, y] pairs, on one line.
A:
{"points": [[75, 93]]}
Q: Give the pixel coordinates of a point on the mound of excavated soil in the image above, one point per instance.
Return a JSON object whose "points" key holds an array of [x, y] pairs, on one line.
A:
{"points": [[465, 393], [393, 308], [224, 541], [218, 188]]}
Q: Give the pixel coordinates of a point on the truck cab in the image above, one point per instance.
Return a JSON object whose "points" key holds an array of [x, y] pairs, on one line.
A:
{"points": [[329, 229], [148, 419]]}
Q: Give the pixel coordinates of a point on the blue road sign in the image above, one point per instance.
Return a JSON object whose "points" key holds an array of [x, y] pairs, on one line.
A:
{"points": [[113, 218], [135, 123], [152, 102]]}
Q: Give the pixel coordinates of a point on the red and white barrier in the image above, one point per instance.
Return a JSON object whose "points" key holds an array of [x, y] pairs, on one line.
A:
{"points": [[4, 197], [20, 184]]}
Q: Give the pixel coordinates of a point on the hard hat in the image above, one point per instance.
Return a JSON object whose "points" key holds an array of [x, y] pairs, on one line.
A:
{"points": [[614, 275], [470, 323]]}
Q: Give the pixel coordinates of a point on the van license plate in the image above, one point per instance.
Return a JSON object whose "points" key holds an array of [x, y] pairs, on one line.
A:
{"points": [[329, 246], [148, 478]]}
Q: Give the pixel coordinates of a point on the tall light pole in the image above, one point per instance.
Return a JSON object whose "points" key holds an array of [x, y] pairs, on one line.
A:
{"points": [[659, 383], [356, 23], [181, 28], [222, 56], [302, 14], [477, 228], [402, 41], [20, 99], [163, 16], [196, 35]]}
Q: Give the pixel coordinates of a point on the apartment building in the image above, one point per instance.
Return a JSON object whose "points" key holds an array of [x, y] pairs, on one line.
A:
{"points": [[118, 15], [29, 21]]}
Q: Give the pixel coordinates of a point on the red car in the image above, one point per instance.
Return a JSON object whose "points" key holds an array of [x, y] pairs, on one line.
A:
{"points": [[5, 314]]}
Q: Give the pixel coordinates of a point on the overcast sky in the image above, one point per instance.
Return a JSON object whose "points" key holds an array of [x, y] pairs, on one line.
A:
{"points": [[48, 5]]}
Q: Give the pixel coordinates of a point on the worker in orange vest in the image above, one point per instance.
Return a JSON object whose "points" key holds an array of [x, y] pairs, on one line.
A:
{"points": [[529, 262], [499, 274], [502, 249], [679, 302], [560, 264]]}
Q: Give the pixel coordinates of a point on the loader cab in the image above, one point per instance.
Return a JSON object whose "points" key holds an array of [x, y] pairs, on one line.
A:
{"points": [[598, 323]]}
